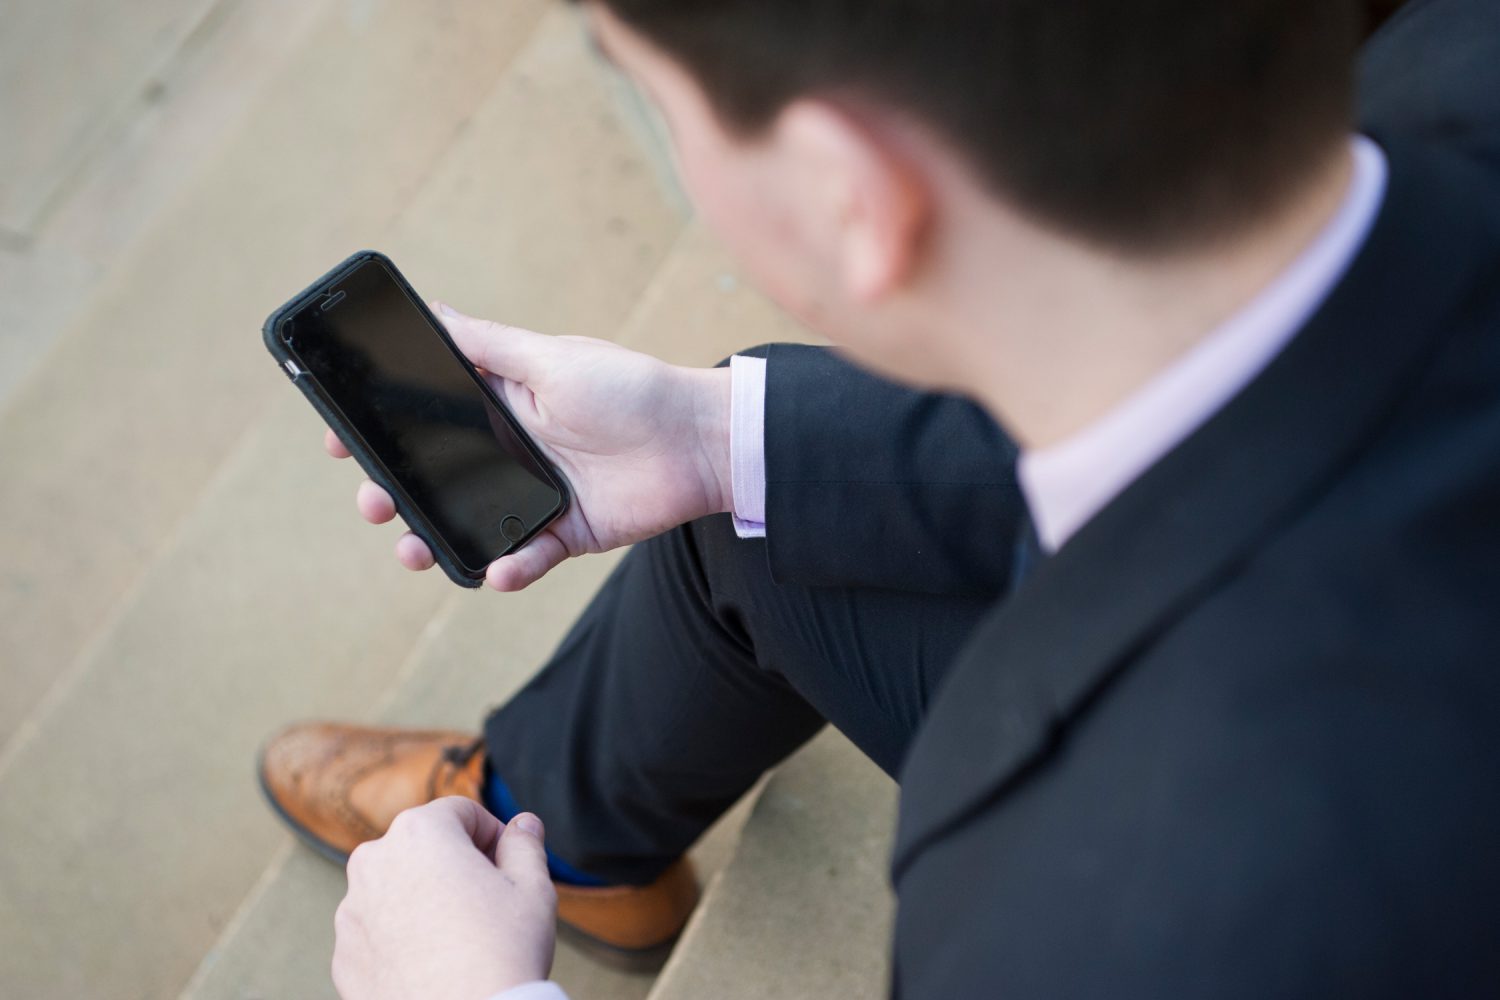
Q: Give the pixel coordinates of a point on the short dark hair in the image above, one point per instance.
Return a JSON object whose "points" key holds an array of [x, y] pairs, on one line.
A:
{"points": [[1139, 124]]}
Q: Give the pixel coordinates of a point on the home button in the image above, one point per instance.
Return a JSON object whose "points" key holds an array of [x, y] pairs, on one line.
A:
{"points": [[512, 527]]}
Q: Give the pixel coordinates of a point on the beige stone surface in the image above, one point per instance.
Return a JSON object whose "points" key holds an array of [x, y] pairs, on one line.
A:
{"points": [[281, 944], [545, 214], [68, 71], [193, 104], [699, 309], [190, 107], [803, 911], [38, 289], [132, 822], [110, 442]]}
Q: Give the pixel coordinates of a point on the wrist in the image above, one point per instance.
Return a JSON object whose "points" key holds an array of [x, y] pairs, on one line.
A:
{"points": [[709, 389]]}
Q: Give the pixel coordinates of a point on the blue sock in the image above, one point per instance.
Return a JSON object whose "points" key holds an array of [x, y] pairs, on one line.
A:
{"points": [[498, 800]]}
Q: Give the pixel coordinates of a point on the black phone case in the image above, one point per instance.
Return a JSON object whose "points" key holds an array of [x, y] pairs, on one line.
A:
{"points": [[442, 552]]}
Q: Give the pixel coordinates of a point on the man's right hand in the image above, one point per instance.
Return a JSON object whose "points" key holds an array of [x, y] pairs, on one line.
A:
{"points": [[643, 444]]}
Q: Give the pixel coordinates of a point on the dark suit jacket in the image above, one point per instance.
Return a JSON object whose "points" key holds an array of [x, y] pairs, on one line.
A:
{"points": [[1433, 71], [1241, 735]]}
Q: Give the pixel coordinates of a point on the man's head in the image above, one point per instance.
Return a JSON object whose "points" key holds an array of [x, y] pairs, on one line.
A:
{"points": [[834, 143]]}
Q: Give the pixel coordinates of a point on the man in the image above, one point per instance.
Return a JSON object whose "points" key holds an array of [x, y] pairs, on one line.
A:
{"points": [[1188, 676]]}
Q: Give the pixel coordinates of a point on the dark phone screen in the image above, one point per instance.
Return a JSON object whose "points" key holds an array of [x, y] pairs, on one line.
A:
{"points": [[375, 353]]}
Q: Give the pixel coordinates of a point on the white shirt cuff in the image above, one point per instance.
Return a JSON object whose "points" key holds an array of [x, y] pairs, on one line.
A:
{"points": [[747, 444], [533, 991]]}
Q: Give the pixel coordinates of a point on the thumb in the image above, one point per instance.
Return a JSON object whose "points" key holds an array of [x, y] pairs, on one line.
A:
{"points": [[520, 853], [507, 351]]}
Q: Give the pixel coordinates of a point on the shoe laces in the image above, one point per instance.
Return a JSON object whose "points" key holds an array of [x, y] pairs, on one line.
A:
{"points": [[456, 756], [460, 754]]}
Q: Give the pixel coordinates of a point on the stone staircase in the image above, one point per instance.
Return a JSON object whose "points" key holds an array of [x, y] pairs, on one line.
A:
{"points": [[183, 571]]}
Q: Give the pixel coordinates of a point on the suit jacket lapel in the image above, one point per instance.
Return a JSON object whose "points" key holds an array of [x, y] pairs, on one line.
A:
{"points": [[1040, 658]]}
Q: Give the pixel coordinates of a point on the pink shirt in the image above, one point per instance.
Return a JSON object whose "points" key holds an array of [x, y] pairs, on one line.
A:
{"points": [[747, 444], [538, 990]]}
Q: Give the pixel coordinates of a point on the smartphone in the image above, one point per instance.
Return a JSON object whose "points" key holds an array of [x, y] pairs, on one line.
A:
{"points": [[420, 419]]}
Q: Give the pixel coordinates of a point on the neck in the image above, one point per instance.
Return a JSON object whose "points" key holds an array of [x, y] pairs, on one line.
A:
{"points": [[1068, 332]]}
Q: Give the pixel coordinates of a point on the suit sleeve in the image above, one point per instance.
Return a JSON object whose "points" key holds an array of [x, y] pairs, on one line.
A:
{"points": [[871, 484]]}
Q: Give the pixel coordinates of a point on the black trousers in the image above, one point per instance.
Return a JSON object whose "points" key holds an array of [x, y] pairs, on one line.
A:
{"points": [[689, 675]]}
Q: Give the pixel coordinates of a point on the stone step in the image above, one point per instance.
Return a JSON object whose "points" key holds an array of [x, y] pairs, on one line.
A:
{"points": [[129, 817], [66, 89], [699, 309], [111, 441], [40, 289], [184, 570], [154, 121], [803, 910]]}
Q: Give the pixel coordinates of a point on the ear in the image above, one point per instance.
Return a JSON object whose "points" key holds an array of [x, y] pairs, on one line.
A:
{"points": [[869, 204]]}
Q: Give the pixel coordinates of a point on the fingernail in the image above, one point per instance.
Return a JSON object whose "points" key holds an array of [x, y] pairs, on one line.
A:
{"points": [[447, 310], [529, 824]]}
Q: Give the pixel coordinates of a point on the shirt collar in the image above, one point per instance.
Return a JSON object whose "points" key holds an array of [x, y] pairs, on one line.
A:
{"points": [[1067, 483]]}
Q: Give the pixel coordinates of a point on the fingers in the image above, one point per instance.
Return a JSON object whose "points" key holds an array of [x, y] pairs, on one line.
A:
{"points": [[520, 853], [448, 817], [521, 569], [512, 572], [507, 351], [482, 828], [334, 446], [413, 553], [375, 504]]}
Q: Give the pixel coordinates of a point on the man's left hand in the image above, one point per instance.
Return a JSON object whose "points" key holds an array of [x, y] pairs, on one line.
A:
{"points": [[449, 903]]}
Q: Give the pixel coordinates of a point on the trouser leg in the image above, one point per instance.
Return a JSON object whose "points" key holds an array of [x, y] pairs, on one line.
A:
{"points": [[689, 675]]}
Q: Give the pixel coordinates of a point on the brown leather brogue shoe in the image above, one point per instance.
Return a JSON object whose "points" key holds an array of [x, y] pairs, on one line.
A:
{"points": [[338, 786]]}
